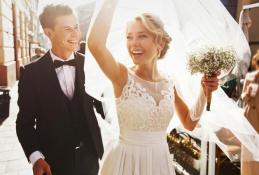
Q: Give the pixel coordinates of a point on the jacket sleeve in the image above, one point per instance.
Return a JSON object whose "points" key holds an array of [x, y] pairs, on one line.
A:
{"points": [[99, 107], [26, 118], [96, 104]]}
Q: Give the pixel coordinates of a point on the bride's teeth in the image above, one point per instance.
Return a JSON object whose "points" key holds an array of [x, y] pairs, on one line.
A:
{"points": [[137, 52]]}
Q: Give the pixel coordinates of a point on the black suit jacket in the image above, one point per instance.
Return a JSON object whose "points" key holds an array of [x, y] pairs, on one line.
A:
{"points": [[40, 122]]}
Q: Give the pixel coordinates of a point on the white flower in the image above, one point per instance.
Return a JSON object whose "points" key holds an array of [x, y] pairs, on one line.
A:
{"points": [[210, 59]]}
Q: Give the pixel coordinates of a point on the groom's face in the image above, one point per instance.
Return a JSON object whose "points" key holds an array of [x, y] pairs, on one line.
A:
{"points": [[65, 35]]}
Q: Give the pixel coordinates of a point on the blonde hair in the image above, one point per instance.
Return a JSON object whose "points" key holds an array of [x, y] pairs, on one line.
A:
{"points": [[255, 59], [155, 26]]}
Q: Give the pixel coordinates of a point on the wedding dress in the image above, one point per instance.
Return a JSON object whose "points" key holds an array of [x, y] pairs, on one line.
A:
{"points": [[143, 116], [192, 24]]}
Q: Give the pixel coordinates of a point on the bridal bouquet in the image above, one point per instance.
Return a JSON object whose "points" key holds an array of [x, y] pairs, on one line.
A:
{"points": [[209, 60]]}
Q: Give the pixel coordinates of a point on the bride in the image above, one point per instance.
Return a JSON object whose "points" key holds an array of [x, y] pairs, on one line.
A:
{"points": [[146, 98], [192, 24]]}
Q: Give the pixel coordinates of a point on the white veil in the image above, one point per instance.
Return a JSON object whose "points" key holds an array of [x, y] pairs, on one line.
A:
{"points": [[192, 24]]}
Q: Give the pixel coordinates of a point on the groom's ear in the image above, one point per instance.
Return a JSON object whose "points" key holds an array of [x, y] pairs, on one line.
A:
{"points": [[48, 32]]}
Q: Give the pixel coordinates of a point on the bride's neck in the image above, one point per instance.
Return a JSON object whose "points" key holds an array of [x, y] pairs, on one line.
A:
{"points": [[149, 73]]}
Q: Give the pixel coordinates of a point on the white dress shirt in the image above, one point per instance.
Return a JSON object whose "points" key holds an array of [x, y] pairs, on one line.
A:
{"points": [[66, 76]]}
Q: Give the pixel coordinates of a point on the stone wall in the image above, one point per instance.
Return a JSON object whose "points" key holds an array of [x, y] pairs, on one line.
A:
{"points": [[18, 32]]}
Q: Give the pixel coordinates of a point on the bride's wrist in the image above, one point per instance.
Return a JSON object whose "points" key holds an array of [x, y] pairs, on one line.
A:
{"points": [[203, 91], [198, 108]]}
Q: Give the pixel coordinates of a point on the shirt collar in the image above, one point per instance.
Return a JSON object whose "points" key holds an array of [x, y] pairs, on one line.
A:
{"points": [[54, 57]]}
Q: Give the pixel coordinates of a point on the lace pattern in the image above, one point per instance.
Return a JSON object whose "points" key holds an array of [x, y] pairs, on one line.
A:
{"points": [[138, 110]]}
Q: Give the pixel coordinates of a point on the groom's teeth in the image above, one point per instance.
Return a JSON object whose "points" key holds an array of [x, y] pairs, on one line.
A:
{"points": [[72, 42]]}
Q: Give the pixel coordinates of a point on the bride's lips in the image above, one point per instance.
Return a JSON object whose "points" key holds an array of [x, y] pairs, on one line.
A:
{"points": [[137, 52]]}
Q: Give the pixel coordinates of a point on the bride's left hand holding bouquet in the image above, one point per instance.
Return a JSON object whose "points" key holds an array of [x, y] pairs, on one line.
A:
{"points": [[210, 61]]}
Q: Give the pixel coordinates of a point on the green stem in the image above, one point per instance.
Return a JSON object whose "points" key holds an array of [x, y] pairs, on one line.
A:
{"points": [[209, 101]]}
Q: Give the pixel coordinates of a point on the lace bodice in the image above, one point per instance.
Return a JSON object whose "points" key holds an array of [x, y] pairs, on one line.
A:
{"points": [[144, 105]]}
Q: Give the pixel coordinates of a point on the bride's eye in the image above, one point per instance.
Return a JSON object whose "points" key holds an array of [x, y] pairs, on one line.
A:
{"points": [[143, 36]]}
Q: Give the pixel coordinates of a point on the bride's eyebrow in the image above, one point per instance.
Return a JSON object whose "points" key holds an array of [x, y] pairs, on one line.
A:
{"points": [[142, 32], [139, 32]]}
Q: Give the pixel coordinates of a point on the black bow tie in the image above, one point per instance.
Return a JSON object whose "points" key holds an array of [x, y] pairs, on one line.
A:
{"points": [[58, 63]]}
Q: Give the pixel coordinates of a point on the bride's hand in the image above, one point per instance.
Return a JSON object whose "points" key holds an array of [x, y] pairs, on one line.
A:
{"points": [[210, 83]]}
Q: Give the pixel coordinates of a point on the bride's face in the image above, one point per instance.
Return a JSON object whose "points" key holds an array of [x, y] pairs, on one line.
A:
{"points": [[141, 43]]}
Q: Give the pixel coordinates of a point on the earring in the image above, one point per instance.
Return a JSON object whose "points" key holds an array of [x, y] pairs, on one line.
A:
{"points": [[159, 53]]}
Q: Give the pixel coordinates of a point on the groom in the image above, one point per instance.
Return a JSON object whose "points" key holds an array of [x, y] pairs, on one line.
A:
{"points": [[56, 123]]}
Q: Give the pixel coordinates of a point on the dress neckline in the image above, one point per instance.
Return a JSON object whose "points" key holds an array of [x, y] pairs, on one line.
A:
{"points": [[151, 82]]}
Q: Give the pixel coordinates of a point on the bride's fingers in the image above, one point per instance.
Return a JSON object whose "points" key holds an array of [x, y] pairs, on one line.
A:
{"points": [[217, 73], [210, 80], [210, 85]]}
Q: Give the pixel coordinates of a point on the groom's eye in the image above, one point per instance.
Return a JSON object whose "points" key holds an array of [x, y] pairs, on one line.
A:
{"points": [[129, 37], [71, 29], [68, 29]]}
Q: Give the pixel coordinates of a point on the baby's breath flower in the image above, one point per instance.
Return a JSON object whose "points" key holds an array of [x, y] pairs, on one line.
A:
{"points": [[211, 59]]}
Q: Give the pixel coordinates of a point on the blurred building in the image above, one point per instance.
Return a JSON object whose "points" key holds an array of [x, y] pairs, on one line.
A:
{"points": [[18, 37], [235, 8], [252, 6], [231, 6], [85, 12]]}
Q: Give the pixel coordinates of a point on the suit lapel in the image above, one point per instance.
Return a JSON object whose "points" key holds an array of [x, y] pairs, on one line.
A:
{"points": [[80, 83], [79, 77]]}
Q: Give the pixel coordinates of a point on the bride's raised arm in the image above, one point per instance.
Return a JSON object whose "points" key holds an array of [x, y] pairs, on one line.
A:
{"points": [[97, 39]]}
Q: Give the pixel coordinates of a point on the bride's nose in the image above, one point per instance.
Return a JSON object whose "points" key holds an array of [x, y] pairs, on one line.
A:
{"points": [[134, 42]]}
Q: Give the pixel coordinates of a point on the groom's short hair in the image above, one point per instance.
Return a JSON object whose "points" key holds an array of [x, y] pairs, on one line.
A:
{"points": [[51, 12]]}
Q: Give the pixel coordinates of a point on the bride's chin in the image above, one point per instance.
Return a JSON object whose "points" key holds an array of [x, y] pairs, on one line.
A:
{"points": [[136, 62]]}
